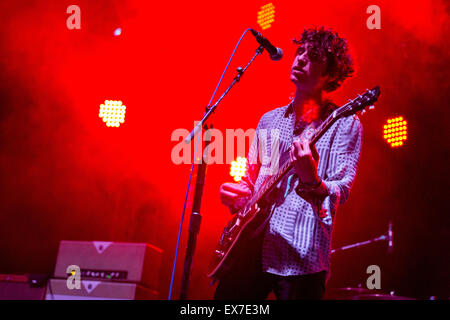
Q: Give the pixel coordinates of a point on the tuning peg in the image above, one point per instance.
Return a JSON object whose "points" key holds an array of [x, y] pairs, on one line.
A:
{"points": [[363, 111]]}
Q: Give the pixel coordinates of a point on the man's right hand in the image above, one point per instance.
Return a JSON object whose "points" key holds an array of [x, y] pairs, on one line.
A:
{"points": [[230, 193]]}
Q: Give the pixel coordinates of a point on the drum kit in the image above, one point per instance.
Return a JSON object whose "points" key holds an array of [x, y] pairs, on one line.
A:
{"points": [[362, 293]]}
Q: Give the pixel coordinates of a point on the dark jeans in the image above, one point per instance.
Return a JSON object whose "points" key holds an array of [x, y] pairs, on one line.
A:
{"points": [[246, 281]]}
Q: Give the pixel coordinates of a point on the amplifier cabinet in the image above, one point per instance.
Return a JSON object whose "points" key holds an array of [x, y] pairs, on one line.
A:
{"points": [[110, 261], [21, 287], [98, 290]]}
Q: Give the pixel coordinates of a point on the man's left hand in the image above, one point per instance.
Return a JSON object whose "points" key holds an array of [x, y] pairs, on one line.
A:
{"points": [[305, 161]]}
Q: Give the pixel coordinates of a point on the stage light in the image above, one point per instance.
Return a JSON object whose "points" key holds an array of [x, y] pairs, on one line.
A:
{"points": [[112, 112], [395, 131], [118, 32], [238, 168], [266, 16]]}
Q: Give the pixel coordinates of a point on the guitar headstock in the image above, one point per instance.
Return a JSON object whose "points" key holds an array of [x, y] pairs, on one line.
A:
{"points": [[368, 98]]}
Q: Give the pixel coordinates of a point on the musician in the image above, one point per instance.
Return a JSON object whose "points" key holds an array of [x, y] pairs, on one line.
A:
{"points": [[291, 257]]}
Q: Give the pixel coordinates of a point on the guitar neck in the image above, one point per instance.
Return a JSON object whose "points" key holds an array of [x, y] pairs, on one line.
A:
{"points": [[328, 122], [287, 166]]}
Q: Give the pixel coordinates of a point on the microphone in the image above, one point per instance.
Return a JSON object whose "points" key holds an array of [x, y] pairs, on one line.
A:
{"points": [[390, 238], [274, 52]]}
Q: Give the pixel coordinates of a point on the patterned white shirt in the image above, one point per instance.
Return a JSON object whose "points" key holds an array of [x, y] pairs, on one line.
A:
{"points": [[297, 240]]}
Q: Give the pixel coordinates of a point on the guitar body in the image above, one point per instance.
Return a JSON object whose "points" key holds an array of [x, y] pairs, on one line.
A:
{"points": [[250, 220], [237, 234]]}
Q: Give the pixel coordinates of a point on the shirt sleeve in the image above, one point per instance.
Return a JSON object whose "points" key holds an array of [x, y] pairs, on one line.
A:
{"points": [[341, 170]]}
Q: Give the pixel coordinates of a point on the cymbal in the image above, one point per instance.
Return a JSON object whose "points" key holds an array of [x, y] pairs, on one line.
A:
{"points": [[353, 290], [380, 297], [345, 293]]}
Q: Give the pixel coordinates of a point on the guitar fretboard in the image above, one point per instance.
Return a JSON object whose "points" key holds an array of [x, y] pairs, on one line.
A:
{"points": [[350, 108], [287, 166]]}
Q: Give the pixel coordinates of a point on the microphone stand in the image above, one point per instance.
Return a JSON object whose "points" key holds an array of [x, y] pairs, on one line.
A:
{"points": [[195, 218], [384, 237], [360, 244]]}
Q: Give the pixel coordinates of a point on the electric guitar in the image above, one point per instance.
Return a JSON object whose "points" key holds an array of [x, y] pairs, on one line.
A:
{"points": [[247, 220]]}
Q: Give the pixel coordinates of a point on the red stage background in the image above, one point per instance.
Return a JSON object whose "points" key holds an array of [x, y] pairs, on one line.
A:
{"points": [[66, 176]]}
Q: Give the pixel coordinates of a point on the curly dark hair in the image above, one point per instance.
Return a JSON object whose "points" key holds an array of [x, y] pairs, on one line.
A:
{"points": [[327, 46]]}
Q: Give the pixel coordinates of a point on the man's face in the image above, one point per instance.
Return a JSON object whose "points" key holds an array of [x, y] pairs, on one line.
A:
{"points": [[304, 71]]}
